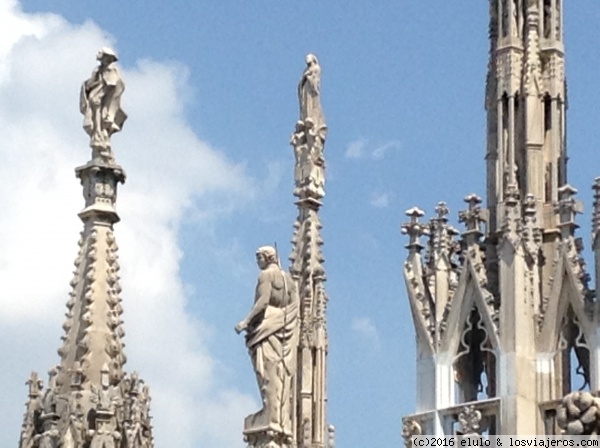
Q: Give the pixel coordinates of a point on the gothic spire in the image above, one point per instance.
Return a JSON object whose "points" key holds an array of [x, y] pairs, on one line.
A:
{"points": [[308, 141], [89, 398]]}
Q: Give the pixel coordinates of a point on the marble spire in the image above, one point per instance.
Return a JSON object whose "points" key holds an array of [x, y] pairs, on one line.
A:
{"points": [[90, 400]]}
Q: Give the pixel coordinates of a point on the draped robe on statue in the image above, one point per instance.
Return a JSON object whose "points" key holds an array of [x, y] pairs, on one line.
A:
{"points": [[100, 104], [272, 340]]}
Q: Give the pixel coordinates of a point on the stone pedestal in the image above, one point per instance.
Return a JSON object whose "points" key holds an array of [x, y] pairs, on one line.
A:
{"points": [[266, 437]]}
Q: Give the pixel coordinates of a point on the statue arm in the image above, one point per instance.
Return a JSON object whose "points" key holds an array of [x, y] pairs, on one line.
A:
{"points": [[261, 301]]}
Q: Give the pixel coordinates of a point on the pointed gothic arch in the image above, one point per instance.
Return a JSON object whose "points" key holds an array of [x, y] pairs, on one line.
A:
{"points": [[566, 329], [470, 337]]}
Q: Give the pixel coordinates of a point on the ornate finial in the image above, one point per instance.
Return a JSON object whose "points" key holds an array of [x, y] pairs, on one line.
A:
{"points": [[331, 436], [511, 195], [442, 211], [35, 385], [529, 205], [76, 376], [473, 216], [441, 232], [100, 104], [567, 208], [414, 229], [105, 376]]}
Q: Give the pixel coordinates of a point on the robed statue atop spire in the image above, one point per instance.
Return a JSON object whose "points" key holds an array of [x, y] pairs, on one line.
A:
{"points": [[309, 92], [100, 104], [308, 139]]}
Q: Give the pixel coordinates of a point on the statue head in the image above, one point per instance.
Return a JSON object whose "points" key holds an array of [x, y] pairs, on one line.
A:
{"points": [[311, 59], [265, 256], [107, 54]]}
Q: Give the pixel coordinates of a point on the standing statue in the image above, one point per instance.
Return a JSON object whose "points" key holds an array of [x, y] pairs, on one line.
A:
{"points": [[504, 18], [100, 104], [309, 136], [272, 338], [547, 19], [309, 92], [516, 19]]}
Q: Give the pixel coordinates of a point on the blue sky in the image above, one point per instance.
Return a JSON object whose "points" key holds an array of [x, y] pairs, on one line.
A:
{"points": [[211, 90]]}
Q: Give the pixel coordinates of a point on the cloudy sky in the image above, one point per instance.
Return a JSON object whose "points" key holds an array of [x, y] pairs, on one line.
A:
{"points": [[211, 98]]}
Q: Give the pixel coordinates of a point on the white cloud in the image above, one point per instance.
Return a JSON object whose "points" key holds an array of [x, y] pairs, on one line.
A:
{"points": [[381, 151], [356, 149], [366, 330], [364, 148], [43, 60], [380, 200]]}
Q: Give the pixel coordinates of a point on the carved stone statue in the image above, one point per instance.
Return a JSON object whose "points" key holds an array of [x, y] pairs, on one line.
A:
{"points": [[547, 19], [504, 18], [76, 430], [309, 171], [271, 337], [107, 398], [100, 104], [50, 437], [49, 401], [309, 92], [309, 136]]}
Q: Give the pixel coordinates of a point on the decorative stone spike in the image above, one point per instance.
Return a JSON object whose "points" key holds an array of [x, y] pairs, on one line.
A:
{"points": [[414, 229], [473, 217], [441, 232], [567, 208]]}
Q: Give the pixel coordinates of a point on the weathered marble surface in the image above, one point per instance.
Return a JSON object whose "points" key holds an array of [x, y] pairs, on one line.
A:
{"points": [[271, 329]]}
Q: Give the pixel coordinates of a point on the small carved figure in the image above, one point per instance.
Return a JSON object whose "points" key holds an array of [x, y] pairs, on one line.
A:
{"points": [[49, 401], [309, 92], [100, 104], [107, 399], [298, 141], [309, 171], [49, 439], [504, 18], [104, 436], [76, 429], [547, 19], [558, 20], [271, 337], [516, 19], [315, 138]]}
